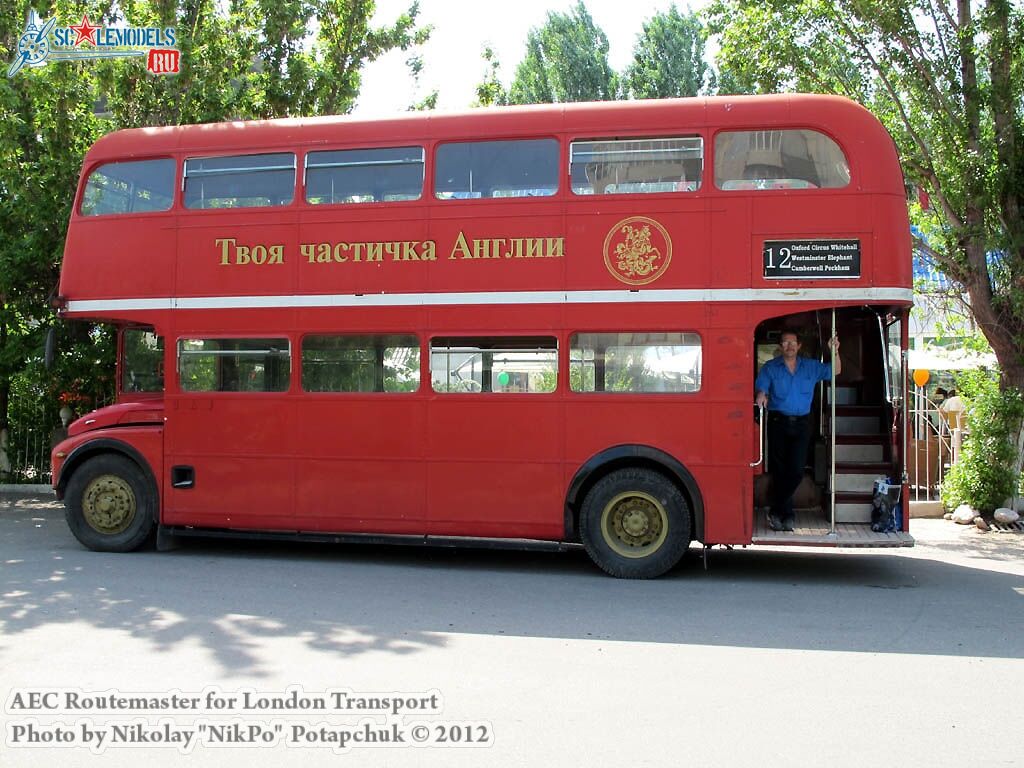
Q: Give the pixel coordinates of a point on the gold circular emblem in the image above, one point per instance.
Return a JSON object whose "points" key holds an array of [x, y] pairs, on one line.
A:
{"points": [[637, 250]]}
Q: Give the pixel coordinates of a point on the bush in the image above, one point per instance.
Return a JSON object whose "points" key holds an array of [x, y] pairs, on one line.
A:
{"points": [[985, 473]]}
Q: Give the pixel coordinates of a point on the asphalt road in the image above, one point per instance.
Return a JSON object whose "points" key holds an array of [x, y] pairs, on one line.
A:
{"points": [[772, 657]]}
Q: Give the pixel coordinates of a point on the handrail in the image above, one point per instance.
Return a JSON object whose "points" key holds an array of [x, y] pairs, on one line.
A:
{"points": [[763, 424], [832, 425]]}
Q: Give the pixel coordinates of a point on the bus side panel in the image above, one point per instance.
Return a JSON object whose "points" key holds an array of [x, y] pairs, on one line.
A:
{"points": [[596, 225], [495, 466], [359, 463], [728, 352], [240, 253], [120, 257], [365, 249], [498, 245], [675, 424], [239, 448]]}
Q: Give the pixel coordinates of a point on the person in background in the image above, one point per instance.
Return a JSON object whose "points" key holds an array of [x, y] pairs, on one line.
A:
{"points": [[953, 409], [786, 386]]}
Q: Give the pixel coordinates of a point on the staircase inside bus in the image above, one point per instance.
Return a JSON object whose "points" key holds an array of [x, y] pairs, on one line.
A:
{"points": [[868, 432]]}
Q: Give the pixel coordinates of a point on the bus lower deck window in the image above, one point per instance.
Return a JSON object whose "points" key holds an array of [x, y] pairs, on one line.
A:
{"points": [[506, 364], [635, 362]]}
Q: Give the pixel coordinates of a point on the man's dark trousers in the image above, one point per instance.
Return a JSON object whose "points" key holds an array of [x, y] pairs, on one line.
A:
{"points": [[787, 456]]}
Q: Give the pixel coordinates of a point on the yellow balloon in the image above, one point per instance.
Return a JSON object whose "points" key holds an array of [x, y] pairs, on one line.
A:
{"points": [[921, 377]]}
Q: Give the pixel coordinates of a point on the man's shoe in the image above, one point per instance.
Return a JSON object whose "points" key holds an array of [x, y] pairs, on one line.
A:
{"points": [[775, 524], [788, 523]]}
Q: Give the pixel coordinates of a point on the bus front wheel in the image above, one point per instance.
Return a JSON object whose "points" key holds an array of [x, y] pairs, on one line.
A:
{"points": [[635, 524], [109, 504]]}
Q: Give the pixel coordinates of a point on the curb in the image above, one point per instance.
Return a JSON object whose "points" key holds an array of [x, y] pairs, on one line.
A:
{"points": [[25, 488]]}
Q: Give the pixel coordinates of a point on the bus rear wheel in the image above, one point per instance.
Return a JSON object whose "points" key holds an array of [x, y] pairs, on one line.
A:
{"points": [[109, 504], [635, 524]]}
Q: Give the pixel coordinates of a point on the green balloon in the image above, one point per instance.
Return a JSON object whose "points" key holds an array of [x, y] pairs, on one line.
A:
{"points": [[503, 379]]}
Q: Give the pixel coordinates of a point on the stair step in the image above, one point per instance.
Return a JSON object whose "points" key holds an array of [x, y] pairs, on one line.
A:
{"points": [[854, 497], [878, 468], [853, 513], [858, 425], [856, 482], [868, 452], [858, 410], [844, 396]]}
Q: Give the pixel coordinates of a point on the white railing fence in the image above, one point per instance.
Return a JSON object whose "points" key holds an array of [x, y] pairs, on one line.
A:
{"points": [[933, 445]]}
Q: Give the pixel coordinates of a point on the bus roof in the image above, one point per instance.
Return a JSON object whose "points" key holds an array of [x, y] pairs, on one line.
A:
{"points": [[845, 120]]}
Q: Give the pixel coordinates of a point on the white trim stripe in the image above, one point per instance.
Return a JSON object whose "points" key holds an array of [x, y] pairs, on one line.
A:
{"points": [[698, 295]]}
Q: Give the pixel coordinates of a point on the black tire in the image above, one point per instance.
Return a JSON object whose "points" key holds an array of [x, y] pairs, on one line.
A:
{"points": [[110, 505], [635, 524]]}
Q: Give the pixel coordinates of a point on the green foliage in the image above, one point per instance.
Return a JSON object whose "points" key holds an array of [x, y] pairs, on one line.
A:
{"points": [[241, 59], [986, 471], [946, 80], [668, 58], [415, 65], [566, 60], [489, 91]]}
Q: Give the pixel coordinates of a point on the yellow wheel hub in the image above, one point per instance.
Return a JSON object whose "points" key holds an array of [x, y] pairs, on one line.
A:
{"points": [[634, 524], [108, 504]]}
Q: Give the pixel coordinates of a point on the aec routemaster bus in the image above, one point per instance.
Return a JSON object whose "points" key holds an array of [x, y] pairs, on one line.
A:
{"points": [[530, 326]]}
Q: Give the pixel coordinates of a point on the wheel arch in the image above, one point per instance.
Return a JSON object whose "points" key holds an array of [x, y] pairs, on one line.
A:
{"points": [[631, 455], [107, 445]]}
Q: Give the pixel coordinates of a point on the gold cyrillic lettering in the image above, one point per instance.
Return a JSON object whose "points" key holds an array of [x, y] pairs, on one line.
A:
{"points": [[393, 248], [374, 251], [409, 251], [461, 246], [309, 251], [534, 247], [481, 249], [555, 247], [429, 252], [225, 244], [323, 253], [276, 254], [357, 249], [515, 250], [259, 254], [338, 255], [241, 254]]}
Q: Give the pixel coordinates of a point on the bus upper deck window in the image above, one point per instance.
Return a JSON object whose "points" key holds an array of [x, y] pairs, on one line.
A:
{"points": [[788, 159], [364, 175], [632, 166], [483, 169], [137, 186], [240, 181]]}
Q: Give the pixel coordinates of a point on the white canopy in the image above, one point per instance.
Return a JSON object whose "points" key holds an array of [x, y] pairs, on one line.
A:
{"points": [[948, 359]]}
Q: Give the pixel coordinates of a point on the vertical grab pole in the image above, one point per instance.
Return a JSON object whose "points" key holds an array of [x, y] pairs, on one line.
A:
{"points": [[832, 429], [763, 425]]}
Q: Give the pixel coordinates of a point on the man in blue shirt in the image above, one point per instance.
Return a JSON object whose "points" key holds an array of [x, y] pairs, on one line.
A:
{"points": [[786, 386]]}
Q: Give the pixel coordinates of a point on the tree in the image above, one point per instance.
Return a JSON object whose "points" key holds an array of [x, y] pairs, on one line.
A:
{"points": [[668, 58], [947, 79], [415, 65], [566, 60], [489, 91], [240, 59], [253, 59], [46, 124]]}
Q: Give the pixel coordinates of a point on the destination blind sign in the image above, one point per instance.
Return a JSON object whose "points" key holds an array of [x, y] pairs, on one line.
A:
{"points": [[811, 259]]}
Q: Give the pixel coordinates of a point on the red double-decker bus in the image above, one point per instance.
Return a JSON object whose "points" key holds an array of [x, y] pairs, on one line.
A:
{"points": [[537, 326]]}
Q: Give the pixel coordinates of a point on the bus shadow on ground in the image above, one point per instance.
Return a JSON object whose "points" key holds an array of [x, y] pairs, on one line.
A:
{"points": [[348, 600]]}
